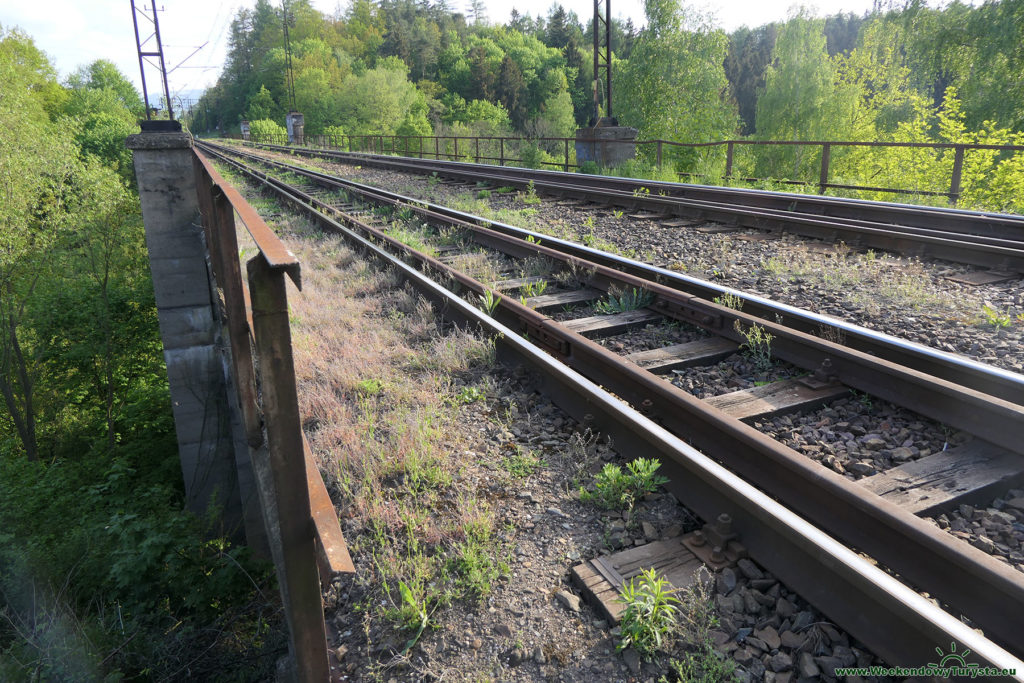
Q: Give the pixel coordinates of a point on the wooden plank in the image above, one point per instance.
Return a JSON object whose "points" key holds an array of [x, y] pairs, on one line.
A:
{"points": [[516, 283], [772, 399], [607, 325], [716, 228], [982, 277], [683, 222], [700, 352], [549, 301], [671, 559], [969, 473]]}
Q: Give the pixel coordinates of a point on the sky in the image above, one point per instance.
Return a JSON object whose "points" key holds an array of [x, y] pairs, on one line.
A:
{"points": [[77, 32]]}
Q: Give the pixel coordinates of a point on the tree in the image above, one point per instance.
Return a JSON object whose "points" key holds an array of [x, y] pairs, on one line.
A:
{"points": [[674, 85], [35, 168], [262, 106], [801, 100], [511, 91]]}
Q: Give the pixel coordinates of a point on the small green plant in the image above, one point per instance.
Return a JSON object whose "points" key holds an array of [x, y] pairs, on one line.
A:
{"points": [[995, 318], [467, 395], [758, 346], [618, 213], [1020, 318], [530, 195], [730, 300], [490, 302], [521, 463], [700, 663], [505, 189], [650, 615], [533, 240], [411, 613], [369, 387], [432, 179], [641, 192], [617, 489], [588, 223], [532, 289], [864, 399], [483, 194], [620, 302]]}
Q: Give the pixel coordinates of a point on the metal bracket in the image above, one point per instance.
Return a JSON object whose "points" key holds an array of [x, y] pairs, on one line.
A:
{"points": [[716, 545], [692, 312], [820, 378], [551, 342]]}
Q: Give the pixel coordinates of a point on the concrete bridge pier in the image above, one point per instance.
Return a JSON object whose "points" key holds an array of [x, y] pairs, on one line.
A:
{"points": [[214, 457]]}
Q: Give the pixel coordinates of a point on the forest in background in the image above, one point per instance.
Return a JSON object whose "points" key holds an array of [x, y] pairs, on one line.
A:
{"points": [[103, 574], [906, 72]]}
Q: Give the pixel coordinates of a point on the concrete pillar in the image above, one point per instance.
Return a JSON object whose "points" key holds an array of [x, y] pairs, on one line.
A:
{"points": [[245, 130], [189, 326], [296, 123], [607, 145]]}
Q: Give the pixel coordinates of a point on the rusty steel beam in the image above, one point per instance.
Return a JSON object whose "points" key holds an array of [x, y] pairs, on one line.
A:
{"points": [[301, 581]]}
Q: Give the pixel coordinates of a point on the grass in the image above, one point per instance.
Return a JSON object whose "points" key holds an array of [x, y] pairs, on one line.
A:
{"points": [[868, 280], [521, 462], [620, 302], [375, 376]]}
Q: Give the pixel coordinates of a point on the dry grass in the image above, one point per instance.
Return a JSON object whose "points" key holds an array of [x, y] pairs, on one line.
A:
{"points": [[380, 390], [867, 280]]}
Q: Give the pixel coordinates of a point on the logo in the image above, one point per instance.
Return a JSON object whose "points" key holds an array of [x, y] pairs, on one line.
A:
{"points": [[953, 659]]}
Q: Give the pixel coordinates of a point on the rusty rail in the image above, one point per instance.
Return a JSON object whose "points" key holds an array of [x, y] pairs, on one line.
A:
{"points": [[896, 622], [302, 528], [447, 147]]}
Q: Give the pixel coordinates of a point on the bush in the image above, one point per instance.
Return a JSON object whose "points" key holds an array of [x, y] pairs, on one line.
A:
{"points": [[265, 130], [590, 167]]}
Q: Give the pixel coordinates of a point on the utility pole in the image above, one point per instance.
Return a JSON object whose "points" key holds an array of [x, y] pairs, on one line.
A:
{"points": [[289, 78], [158, 53], [294, 121]]}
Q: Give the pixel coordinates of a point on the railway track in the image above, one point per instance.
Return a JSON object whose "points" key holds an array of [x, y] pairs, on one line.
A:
{"points": [[879, 515], [989, 240]]}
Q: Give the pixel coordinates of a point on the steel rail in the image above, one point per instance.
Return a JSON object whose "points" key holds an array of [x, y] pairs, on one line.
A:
{"points": [[956, 369], [896, 622], [987, 591], [950, 220]]}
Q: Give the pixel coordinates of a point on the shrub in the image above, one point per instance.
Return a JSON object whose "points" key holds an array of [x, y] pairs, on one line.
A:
{"points": [[266, 130]]}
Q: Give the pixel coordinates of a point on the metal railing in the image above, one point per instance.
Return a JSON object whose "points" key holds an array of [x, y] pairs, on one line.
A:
{"points": [[302, 528], [509, 150]]}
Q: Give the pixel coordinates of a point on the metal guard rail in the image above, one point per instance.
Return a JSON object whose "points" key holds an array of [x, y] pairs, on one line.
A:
{"points": [[302, 527]]}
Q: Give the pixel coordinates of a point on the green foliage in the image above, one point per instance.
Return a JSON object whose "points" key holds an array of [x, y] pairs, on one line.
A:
{"points": [[489, 302], [677, 52], [103, 575], [620, 302], [650, 615], [730, 300], [617, 489], [265, 130], [700, 662], [995, 318], [522, 462], [758, 346]]}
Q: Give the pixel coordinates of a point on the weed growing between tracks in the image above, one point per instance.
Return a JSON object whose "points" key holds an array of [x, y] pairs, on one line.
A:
{"points": [[393, 454]]}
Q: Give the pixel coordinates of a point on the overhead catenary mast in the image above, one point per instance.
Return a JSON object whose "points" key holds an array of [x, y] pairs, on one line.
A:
{"points": [[289, 77], [603, 60], [158, 53]]}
